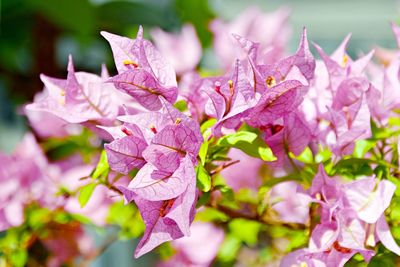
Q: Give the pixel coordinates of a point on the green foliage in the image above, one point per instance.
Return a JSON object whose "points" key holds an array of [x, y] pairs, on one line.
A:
{"points": [[165, 251], [362, 147], [208, 214], [77, 16], [199, 14], [207, 124], [102, 169], [248, 142], [129, 13], [85, 193], [127, 217], [352, 167], [61, 148], [181, 105], [203, 179], [229, 249], [245, 230], [203, 152]]}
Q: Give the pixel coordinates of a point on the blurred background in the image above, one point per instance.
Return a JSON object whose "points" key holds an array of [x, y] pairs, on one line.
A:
{"points": [[36, 36]]}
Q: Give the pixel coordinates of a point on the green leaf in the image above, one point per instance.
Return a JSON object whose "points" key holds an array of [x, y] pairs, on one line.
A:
{"points": [[247, 195], [102, 167], [166, 251], [207, 124], [324, 154], [306, 156], [203, 179], [203, 152], [362, 147], [73, 15], [19, 257], [198, 13], [203, 199], [266, 154], [245, 230], [85, 193], [208, 214], [229, 249], [353, 167], [381, 132], [38, 217], [130, 13], [128, 218], [181, 105], [248, 142], [226, 191]]}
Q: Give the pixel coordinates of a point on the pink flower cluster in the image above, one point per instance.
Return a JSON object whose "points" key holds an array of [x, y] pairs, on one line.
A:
{"points": [[294, 104]]}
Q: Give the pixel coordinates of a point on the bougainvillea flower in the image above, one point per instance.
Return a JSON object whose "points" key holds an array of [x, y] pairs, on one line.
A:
{"points": [[275, 103], [23, 177], [81, 97], [369, 197], [190, 87], [166, 220], [144, 87], [45, 124], [293, 136], [229, 98], [170, 145], [352, 220], [155, 184], [271, 43], [143, 72], [384, 96], [161, 138], [340, 66], [291, 202], [299, 66], [125, 154], [182, 50], [140, 53], [349, 122], [199, 249], [150, 123]]}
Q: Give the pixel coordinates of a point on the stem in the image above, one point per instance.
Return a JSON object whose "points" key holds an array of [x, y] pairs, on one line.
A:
{"points": [[234, 214], [223, 166]]}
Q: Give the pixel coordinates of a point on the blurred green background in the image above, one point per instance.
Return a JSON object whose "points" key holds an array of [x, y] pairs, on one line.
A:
{"points": [[36, 37]]}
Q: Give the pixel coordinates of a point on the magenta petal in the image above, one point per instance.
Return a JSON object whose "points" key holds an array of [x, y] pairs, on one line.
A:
{"points": [[144, 87], [383, 232], [170, 145], [215, 106], [367, 200], [140, 53], [123, 49], [125, 154], [152, 185], [274, 104], [158, 229], [297, 134], [323, 236], [174, 225]]}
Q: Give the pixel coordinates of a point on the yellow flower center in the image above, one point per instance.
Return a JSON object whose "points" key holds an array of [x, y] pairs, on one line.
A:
{"points": [[130, 62], [270, 81], [345, 60]]}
